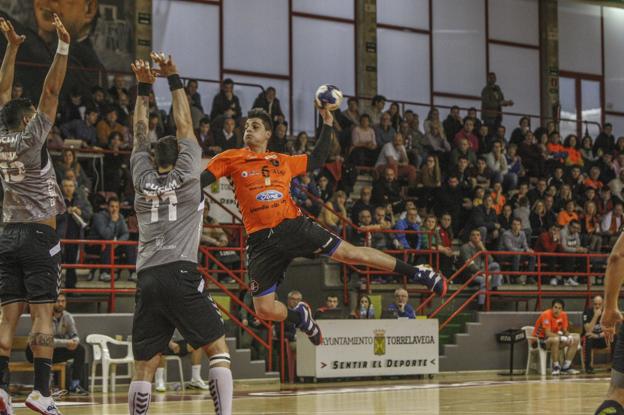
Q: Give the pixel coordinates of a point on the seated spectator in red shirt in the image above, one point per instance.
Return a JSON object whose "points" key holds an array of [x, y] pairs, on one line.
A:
{"points": [[550, 242], [468, 134], [551, 328]]}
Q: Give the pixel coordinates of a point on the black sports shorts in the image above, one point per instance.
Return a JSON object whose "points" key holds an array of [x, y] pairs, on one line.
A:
{"points": [[270, 251], [618, 351], [172, 296], [30, 264]]}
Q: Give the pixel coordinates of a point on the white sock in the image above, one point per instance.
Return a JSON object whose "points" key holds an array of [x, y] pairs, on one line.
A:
{"points": [[196, 370], [159, 378], [221, 389], [567, 364], [139, 396]]}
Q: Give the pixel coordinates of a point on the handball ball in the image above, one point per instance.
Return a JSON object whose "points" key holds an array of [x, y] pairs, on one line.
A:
{"points": [[329, 97]]}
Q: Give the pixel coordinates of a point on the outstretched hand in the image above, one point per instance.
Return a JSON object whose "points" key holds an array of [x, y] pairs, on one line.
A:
{"points": [[328, 117], [144, 74], [9, 33], [61, 32], [166, 66], [610, 317]]}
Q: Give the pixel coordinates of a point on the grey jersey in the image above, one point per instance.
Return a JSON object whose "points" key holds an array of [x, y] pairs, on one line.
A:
{"points": [[31, 193], [169, 206]]}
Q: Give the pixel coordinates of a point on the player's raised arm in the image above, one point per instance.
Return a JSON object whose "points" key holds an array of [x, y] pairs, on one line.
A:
{"points": [[181, 106], [145, 77], [53, 83], [319, 155], [7, 70]]}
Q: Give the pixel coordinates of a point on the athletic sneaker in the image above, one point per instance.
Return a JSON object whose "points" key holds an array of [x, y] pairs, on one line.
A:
{"points": [[78, 391], [553, 281], [198, 384], [160, 387], [41, 404], [5, 403], [308, 325], [571, 282], [569, 371], [433, 280], [556, 371]]}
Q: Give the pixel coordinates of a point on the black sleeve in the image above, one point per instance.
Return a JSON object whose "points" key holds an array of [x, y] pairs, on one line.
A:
{"points": [[321, 151], [206, 178]]}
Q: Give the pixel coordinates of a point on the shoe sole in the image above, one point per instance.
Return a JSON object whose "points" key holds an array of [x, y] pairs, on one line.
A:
{"points": [[34, 408], [444, 288]]}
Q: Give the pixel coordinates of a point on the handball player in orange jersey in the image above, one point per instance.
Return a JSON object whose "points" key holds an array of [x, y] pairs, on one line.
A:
{"points": [[278, 231]]}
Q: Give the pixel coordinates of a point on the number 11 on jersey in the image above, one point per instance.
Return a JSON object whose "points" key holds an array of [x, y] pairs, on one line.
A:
{"points": [[173, 202]]}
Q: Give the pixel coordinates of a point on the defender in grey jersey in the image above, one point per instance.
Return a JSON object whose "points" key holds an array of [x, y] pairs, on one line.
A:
{"points": [[169, 206], [30, 250]]}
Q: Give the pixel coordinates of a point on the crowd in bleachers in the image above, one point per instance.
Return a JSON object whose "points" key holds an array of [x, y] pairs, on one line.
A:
{"points": [[444, 176]]}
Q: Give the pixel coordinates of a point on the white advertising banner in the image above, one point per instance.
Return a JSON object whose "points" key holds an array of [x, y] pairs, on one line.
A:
{"points": [[354, 348], [223, 191]]}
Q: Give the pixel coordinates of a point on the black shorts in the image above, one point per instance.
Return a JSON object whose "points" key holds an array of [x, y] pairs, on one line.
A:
{"points": [[618, 351], [30, 264], [172, 296], [270, 251]]}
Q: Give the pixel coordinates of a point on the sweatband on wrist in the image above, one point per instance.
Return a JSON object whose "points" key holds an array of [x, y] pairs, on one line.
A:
{"points": [[62, 48], [174, 82], [144, 89]]}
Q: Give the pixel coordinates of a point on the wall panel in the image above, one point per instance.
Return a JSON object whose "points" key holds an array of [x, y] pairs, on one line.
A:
{"points": [[407, 13], [579, 37], [614, 58], [505, 24]]}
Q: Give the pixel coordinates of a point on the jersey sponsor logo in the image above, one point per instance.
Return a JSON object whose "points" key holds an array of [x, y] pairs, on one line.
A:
{"points": [[254, 286], [269, 196], [270, 156]]}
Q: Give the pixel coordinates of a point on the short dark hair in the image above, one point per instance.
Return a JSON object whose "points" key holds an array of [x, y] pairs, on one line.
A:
{"points": [[378, 98], [455, 107], [516, 219], [558, 301], [352, 99], [166, 151], [204, 120], [192, 81], [228, 81], [112, 199], [14, 111], [263, 115]]}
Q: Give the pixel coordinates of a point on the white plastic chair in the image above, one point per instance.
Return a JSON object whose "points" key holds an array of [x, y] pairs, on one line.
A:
{"points": [[175, 359], [101, 355], [534, 349]]}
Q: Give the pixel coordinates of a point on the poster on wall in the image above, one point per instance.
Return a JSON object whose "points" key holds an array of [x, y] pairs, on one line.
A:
{"points": [[353, 348], [102, 33]]}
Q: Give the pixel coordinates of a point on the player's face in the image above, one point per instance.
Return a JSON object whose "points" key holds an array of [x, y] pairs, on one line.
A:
{"points": [[76, 15], [256, 135]]}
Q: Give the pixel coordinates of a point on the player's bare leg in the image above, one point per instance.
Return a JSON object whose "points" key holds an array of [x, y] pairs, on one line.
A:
{"points": [[220, 376], [140, 392], [611, 315], [9, 319]]}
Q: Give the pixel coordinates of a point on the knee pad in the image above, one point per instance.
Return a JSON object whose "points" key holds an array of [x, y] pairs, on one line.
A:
{"points": [[219, 358]]}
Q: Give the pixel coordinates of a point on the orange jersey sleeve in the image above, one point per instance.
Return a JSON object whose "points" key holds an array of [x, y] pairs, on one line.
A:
{"points": [[298, 164], [220, 164]]}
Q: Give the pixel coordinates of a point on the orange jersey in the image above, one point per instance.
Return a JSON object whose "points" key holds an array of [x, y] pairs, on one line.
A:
{"points": [[547, 320], [261, 184]]}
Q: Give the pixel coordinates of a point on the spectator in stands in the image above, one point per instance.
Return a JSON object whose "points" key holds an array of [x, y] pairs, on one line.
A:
{"points": [[377, 109], [551, 328], [17, 91], [225, 104], [590, 228], [70, 162], [611, 224], [386, 189], [619, 146], [431, 239], [192, 88], [119, 87], [363, 142], [123, 110], [587, 150], [364, 202], [539, 219], [481, 175], [71, 108], [328, 218], [492, 101], [570, 146], [594, 179], [107, 126], [571, 243], [352, 113], [497, 163], [463, 149], [453, 123], [484, 219], [395, 115], [410, 223], [433, 117], [325, 190], [298, 189], [181, 348], [301, 145], [153, 129], [384, 132], [116, 171], [539, 191], [606, 203], [413, 124], [498, 197], [430, 181], [268, 101], [400, 308], [394, 155], [66, 346], [505, 217], [467, 133], [533, 158], [449, 200], [550, 242], [446, 233], [368, 233], [364, 308], [592, 332], [523, 212], [477, 265], [568, 214], [463, 173], [109, 224], [331, 303], [518, 134], [98, 99], [71, 225], [605, 142], [515, 240], [617, 186], [228, 138], [436, 141], [205, 138]]}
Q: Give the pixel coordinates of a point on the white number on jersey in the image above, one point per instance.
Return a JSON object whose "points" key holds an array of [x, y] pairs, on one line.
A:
{"points": [[173, 202], [12, 171]]}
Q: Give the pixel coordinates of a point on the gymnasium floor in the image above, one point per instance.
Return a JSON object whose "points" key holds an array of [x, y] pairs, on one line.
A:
{"points": [[448, 394]]}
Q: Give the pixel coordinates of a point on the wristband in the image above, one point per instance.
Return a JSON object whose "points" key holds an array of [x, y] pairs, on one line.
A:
{"points": [[62, 48], [174, 82], [144, 89]]}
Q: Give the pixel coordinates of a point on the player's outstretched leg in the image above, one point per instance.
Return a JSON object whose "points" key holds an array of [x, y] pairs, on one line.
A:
{"points": [[360, 255], [308, 324], [220, 376]]}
